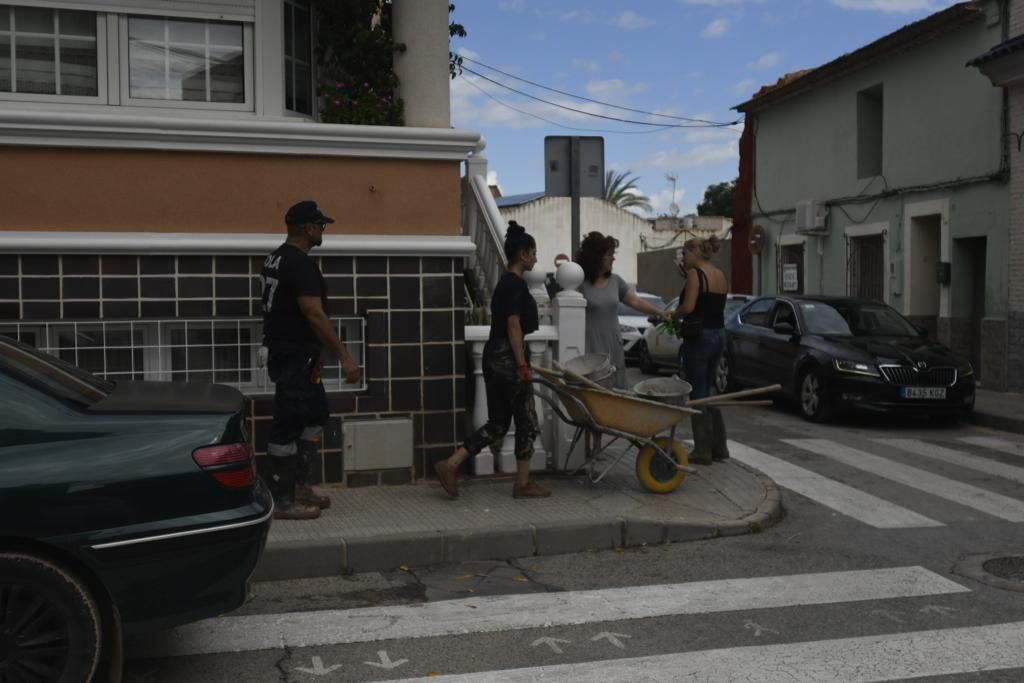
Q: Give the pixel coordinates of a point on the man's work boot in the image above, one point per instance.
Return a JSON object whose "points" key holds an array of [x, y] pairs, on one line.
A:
{"points": [[719, 440], [304, 493], [701, 453], [282, 486], [446, 476]]}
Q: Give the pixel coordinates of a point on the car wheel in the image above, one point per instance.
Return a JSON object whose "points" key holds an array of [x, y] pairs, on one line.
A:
{"points": [[50, 627], [647, 365], [722, 380], [814, 402]]}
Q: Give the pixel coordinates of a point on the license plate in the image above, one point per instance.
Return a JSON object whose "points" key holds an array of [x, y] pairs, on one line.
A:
{"points": [[923, 392]]}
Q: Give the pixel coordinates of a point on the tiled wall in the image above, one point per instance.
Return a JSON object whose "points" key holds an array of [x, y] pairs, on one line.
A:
{"points": [[415, 355]]}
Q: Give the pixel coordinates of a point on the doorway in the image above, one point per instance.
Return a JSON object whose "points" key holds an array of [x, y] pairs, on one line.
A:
{"points": [[924, 253], [791, 269], [969, 296], [867, 267]]}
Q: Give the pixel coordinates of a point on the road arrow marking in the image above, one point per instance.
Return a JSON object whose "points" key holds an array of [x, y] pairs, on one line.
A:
{"points": [[891, 616], [385, 661], [937, 609], [550, 642], [612, 638], [318, 668], [758, 629]]}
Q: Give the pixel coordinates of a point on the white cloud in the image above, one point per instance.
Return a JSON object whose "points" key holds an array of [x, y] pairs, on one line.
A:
{"points": [[893, 6], [492, 179], [591, 65], [630, 21], [745, 87], [710, 154], [721, 3], [466, 52], [512, 5], [616, 56], [766, 61], [613, 89], [728, 133], [662, 200], [716, 29]]}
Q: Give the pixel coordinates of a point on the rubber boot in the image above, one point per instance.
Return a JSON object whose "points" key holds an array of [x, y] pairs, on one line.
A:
{"points": [[719, 440], [282, 486], [701, 453], [304, 493]]}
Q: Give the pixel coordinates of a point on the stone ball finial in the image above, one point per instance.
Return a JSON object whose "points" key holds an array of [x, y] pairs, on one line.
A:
{"points": [[569, 276], [535, 278]]}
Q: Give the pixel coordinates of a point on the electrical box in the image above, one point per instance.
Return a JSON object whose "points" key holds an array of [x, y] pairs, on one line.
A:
{"points": [[944, 272], [811, 217], [377, 444], [559, 165]]}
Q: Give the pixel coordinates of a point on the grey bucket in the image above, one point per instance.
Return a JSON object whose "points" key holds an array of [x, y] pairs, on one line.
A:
{"points": [[664, 390], [597, 367]]}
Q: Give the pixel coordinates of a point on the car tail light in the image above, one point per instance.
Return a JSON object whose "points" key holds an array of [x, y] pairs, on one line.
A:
{"points": [[230, 464]]}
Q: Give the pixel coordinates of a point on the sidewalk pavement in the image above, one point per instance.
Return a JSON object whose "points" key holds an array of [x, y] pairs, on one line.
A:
{"points": [[999, 410], [382, 528]]}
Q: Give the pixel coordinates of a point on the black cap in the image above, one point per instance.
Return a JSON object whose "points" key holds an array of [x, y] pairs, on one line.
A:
{"points": [[305, 212]]}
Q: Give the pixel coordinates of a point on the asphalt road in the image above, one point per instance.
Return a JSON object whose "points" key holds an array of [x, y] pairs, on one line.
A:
{"points": [[876, 573]]}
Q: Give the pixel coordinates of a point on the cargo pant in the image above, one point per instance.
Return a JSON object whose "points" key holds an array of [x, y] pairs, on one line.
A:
{"points": [[508, 400]]}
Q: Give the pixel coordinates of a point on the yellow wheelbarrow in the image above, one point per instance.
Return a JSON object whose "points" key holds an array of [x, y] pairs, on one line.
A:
{"points": [[661, 462]]}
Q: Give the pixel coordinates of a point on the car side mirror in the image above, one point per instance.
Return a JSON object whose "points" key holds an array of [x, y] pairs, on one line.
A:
{"points": [[653, 319], [786, 329]]}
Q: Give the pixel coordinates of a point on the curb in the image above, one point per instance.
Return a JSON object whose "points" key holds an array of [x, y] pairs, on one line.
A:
{"points": [[334, 557], [1000, 422]]}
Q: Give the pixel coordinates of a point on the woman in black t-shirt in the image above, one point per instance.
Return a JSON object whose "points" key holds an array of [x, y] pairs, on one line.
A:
{"points": [[507, 371]]}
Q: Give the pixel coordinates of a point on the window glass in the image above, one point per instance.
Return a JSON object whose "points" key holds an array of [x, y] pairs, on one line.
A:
{"points": [[298, 60], [784, 313], [823, 319], [185, 60], [757, 312], [58, 377], [54, 51], [875, 320]]}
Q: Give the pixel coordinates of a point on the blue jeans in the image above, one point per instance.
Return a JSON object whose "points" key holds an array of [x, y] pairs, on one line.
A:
{"points": [[700, 361]]}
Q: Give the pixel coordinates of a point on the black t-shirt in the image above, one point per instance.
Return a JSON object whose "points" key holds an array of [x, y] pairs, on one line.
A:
{"points": [[288, 273], [512, 297]]}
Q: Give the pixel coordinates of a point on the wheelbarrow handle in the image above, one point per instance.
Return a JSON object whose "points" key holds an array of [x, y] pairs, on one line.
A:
{"points": [[736, 394]]}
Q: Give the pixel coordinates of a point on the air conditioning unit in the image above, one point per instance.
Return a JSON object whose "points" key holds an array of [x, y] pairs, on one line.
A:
{"points": [[811, 217]]}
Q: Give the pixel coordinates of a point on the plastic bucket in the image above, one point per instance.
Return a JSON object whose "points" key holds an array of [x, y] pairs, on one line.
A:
{"points": [[597, 367], [664, 390]]}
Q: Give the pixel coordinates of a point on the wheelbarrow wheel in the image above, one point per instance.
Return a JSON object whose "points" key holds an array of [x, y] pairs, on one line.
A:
{"points": [[655, 473]]}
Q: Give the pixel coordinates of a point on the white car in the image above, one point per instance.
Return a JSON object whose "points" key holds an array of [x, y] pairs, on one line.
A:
{"points": [[659, 349], [633, 324]]}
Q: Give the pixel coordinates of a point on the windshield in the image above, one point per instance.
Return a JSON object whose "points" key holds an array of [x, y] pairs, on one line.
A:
{"points": [[653, 300], [855, 319], [57, 376]]}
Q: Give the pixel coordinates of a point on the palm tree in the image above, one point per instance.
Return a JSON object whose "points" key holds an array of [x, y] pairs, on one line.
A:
{"points": [[620, 189]]}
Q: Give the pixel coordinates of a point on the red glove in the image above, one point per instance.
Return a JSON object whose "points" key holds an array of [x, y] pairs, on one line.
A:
{"points": [[525, 376]]}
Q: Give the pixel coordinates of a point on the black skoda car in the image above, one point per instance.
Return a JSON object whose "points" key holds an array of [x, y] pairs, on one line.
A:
{"points": [[835, 353], [128, 506]]}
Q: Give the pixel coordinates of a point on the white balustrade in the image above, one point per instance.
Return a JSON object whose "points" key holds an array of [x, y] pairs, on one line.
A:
{"points": [[477, 335]]}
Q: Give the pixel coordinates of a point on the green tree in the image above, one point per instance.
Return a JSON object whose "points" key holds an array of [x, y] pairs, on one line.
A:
{"points": [[719, 200], [621, 190]]}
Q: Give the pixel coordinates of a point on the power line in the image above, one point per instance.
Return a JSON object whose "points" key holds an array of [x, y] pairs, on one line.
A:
{"points": [[587, 113], [605, 104], [562, 125]]}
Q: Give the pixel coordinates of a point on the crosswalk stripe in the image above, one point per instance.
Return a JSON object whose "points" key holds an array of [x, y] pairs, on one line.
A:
{"points": [[491, 614], [990, 503], [848, 500], [994, 443], [865, 659], [956, 457]]}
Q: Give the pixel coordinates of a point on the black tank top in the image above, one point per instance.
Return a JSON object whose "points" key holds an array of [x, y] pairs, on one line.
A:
{"points": [[710, 306]]}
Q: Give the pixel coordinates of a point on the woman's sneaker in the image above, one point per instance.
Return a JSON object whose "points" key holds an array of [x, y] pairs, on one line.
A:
{"points": [[530, 490]]}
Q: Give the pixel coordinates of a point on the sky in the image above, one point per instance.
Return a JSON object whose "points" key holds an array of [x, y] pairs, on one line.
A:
{"points": [[685, 58]]}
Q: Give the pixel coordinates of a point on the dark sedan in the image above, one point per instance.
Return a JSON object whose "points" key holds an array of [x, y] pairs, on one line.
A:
{"points": [[128, 506], [835, 353]]}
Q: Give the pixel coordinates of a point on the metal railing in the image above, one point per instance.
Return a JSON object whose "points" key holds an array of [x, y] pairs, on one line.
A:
{"points": [[483, 224], [219, 350]]}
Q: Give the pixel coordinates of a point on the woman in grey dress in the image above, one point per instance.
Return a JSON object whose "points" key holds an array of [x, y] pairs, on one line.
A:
{"points": [[603, 291]]}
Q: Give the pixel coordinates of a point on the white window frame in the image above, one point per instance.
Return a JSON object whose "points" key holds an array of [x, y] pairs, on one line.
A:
{"points": [[163, 369], [314, 96], [124, 69], [102, 52]]}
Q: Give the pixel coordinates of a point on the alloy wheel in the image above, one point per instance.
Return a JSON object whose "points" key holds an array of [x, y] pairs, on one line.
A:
{"points": [[810, 394], [34, 640]]}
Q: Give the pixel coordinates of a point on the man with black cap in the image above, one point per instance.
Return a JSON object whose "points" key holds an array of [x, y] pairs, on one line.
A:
{"points": [[295, 330]]}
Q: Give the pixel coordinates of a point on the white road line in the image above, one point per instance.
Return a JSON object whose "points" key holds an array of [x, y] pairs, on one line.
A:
{"points": [[892, 657], [955, 457], [848, 500], [491, 614], [994, 443], [994, 504]]}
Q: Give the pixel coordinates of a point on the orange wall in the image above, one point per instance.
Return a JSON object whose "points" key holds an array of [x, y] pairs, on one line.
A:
{"points": [[153, 191]]}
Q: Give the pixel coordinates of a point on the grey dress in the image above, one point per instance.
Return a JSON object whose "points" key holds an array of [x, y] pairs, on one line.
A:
{"points": [[603, 322]]}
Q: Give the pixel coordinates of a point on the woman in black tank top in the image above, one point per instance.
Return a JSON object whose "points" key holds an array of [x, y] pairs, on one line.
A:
{"points": [[703, 313]]}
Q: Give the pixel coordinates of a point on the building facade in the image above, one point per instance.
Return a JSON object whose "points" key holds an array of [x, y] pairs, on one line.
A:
{"points": [[883, 174], [148, 152]]}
